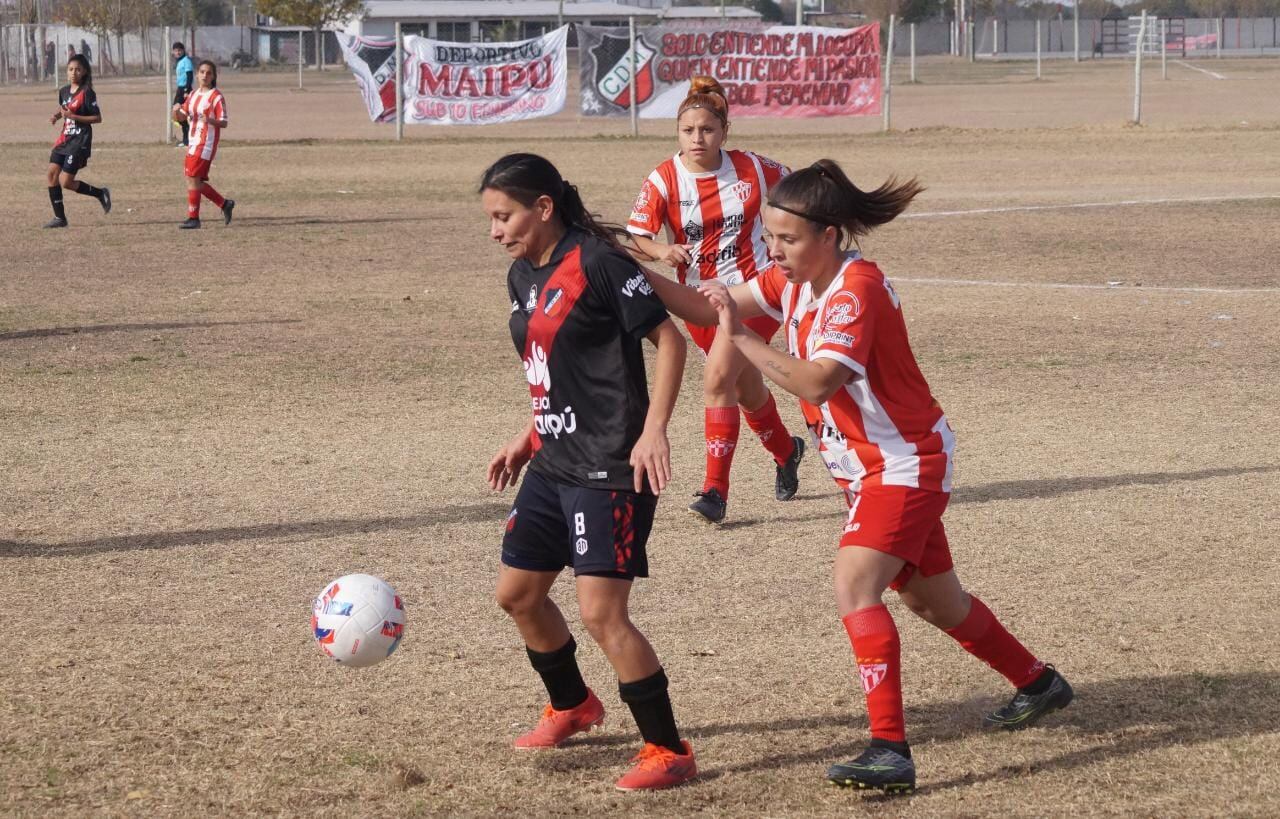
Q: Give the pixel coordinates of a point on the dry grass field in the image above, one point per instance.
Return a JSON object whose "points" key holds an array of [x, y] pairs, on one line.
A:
{"points": [[198, 430]]}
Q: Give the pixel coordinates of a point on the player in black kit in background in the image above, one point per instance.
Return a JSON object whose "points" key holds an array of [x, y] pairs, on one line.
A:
{"points": [[597, 451], [78, 108]]}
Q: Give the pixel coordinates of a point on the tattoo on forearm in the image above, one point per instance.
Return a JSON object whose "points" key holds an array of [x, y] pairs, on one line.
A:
{"points": [[778, 368]]}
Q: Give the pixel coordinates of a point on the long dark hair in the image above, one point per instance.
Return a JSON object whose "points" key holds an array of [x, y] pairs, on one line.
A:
{"points": [[525, 177], [824, 194], [87, 82], [212, 65]]}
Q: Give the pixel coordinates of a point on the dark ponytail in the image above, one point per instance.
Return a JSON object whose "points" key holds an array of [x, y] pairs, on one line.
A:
{"points": [[85, 67], [525, 177], [823, 194]]}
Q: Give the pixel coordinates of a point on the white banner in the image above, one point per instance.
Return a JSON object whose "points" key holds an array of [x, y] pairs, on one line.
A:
{"points": [[447, 83]]}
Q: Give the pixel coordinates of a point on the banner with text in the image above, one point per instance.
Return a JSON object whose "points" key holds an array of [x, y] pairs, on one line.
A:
{"points": [[780, 71], [447, 83]]}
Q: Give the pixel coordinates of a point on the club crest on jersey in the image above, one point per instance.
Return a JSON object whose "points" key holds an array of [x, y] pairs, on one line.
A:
{"points": [[742, 190], [613, 70], [693, 230], [553, 302], [872, 675]]}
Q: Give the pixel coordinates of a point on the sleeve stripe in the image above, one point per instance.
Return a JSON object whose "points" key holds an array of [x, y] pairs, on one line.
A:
{"points": [[635, 231], [841, 358], [758, 294]]}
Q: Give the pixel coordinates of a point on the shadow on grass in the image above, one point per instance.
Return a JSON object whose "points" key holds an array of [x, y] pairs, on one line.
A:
{"points": [[91, 329], [333, 527], [1118, 718], [214, 222]]}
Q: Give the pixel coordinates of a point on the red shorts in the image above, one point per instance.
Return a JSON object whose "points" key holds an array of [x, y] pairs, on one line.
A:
{"points": [[198, 168], [904, 522], [763, 326]]}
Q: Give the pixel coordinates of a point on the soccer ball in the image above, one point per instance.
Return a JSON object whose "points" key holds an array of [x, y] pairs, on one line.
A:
{"points": [[358, 620]]}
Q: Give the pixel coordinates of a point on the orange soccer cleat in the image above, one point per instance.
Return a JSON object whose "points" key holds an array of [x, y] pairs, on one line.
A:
{"points": [[557, 726], [658, 767]]}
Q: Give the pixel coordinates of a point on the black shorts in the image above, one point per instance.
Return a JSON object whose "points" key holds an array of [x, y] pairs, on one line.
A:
{"points": [[179, 96], [553, 525], [69, 163]]}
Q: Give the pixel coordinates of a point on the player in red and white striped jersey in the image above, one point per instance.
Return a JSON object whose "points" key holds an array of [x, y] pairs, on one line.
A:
{"points": [[885, 440], [708, 200], [206, 110]]}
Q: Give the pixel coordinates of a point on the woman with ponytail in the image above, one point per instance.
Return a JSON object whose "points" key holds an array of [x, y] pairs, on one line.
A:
{"points": [[597, 452], [708, 200], [885, 441], [78, 110]]}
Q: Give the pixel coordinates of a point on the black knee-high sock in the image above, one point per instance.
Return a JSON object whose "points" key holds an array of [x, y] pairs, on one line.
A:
{"points": [[560, 674], [651, 706], [88, 190], [55, 199]]}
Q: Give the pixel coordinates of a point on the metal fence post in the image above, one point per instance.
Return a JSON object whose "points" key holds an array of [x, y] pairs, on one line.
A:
{"points": [[1137, 71], [399, 83], [168, 84], [635, 108], [886, 90]]}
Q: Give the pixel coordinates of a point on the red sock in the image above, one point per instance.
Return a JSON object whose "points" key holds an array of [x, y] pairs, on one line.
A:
{"points": [[982, 636], [193, 204], [722, 425], [212, 195], [767, 424], [879, 655]]}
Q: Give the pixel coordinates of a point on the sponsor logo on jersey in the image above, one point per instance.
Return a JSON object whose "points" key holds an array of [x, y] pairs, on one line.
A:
{"points": [[515, 305], [687, 203], [872, 675], [741, 189], [551, 423], [724, 254], [580, 546], [637, 216], [637, 284], [843, 309], [535, 367], [613, 69], [693, 231], [533, 299], [893, 294], [552, 303], [837, 337], [642, 198], [764, 160]]}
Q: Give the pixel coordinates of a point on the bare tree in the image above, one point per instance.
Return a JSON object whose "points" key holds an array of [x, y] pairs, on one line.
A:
{"points": [[314, 14]]}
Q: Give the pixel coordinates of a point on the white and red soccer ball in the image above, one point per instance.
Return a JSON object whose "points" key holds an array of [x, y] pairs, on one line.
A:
{"points": [[358, 620]]}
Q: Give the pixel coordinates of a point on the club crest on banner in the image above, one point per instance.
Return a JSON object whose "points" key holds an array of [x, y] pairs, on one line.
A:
{"points": [[613, 70]]}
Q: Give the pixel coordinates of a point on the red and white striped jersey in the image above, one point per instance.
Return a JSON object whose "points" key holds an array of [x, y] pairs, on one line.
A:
{"points": [[718, 212], [883, 427], [204, 137]]}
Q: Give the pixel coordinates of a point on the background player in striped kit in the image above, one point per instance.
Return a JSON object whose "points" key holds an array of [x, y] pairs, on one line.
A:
{"points": [[597, 451], [708, 199], [78, 110], [884, 439], [206, 110]]}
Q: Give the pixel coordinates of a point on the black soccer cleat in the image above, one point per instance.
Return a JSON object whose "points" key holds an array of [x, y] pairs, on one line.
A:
{"points": [[1025, 710], [709, 506], [190, 224], [881, 768], [105, 200], [228, 205], [787, 482], [56, 223]]}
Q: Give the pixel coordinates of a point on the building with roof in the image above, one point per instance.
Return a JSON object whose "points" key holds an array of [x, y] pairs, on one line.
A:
{"points": [[506, 20]]}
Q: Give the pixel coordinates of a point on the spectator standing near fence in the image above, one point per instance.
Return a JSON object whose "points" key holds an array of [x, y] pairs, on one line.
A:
{"points": [[184, 76]]}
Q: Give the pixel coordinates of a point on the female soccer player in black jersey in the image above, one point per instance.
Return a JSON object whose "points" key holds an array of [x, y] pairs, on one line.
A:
{"points": [[597, 452], [78, 109]]}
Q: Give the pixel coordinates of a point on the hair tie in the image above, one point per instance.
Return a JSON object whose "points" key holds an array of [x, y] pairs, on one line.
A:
{"points": [[821, 220], [821, 170]]}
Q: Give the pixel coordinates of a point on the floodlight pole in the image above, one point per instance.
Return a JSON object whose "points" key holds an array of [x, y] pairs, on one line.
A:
{"points": [[635, 107], [1137, 71], [886, 89], [168, 83], [399, 68]]}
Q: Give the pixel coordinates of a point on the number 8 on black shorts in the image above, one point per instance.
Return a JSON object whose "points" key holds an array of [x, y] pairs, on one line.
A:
{"points": [[554, 525]]}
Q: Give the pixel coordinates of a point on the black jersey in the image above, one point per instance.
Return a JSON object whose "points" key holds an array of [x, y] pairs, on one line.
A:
{"points": [[577, 322], [76, 138]]}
